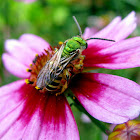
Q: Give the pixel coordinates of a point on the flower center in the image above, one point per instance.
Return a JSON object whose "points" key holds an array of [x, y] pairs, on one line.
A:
{"points": [[59, 84]]}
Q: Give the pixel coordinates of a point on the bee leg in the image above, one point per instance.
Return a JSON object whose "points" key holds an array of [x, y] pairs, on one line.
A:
{"points": [[78, 65], [66, 78], [65, 86], [67, 74], [81, 57]]}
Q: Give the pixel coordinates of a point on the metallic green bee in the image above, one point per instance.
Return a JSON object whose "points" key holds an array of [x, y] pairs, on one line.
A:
{"points": [[51, 74]]}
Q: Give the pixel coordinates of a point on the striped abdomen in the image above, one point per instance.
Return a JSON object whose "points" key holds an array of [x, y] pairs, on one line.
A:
{"points": [[55, 84]]}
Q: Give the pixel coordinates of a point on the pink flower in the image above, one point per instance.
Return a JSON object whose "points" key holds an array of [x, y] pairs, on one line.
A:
{"points": [[26, 1], [28, 113]]}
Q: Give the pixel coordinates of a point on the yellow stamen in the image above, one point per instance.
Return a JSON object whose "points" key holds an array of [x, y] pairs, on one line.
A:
{"points": [[27, 70], [27, 81], [36, 87], [60, 42], [30, 65], [36, 55]]}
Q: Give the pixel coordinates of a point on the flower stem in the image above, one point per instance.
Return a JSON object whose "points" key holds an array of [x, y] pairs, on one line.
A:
{"points": [[100, 124]]}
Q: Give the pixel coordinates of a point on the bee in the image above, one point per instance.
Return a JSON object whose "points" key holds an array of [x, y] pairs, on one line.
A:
{"points": [[51, 74]]}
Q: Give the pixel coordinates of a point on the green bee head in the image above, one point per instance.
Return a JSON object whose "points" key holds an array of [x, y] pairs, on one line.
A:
{"points": [[81, 41]]}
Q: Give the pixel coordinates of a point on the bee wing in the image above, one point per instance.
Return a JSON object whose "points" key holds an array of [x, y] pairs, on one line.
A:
{"points": [[54, 61], [64, 61], [48, 71], [41, 79]]}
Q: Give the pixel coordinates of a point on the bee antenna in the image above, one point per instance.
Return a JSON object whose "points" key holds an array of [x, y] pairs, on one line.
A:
{"points": [[80, 31], [101, 39]]}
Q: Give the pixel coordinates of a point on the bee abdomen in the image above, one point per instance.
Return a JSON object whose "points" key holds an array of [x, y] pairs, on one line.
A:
{"points": [[51, 87], [54, 85]]}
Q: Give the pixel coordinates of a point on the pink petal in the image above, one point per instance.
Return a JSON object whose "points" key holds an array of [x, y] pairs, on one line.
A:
{"points": [[14, 67], [10, 91], [26, 1], [21, 111], [35, 43], [121, 30], [29, 118], [116, 30], [25, 118], [10, 96], [109, 98], [109, 28], [9, 120], [124, 54], [32, 131], [20, 51], [94, 44], [58, 121], [89, 32], [35, 116], [10, 105], [29, 131]]}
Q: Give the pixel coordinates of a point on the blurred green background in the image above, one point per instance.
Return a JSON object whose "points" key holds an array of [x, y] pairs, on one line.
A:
{"points": [[52, 20]]}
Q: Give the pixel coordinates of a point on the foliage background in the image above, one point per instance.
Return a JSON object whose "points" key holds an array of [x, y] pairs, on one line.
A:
{"points": [[52, 20]]}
